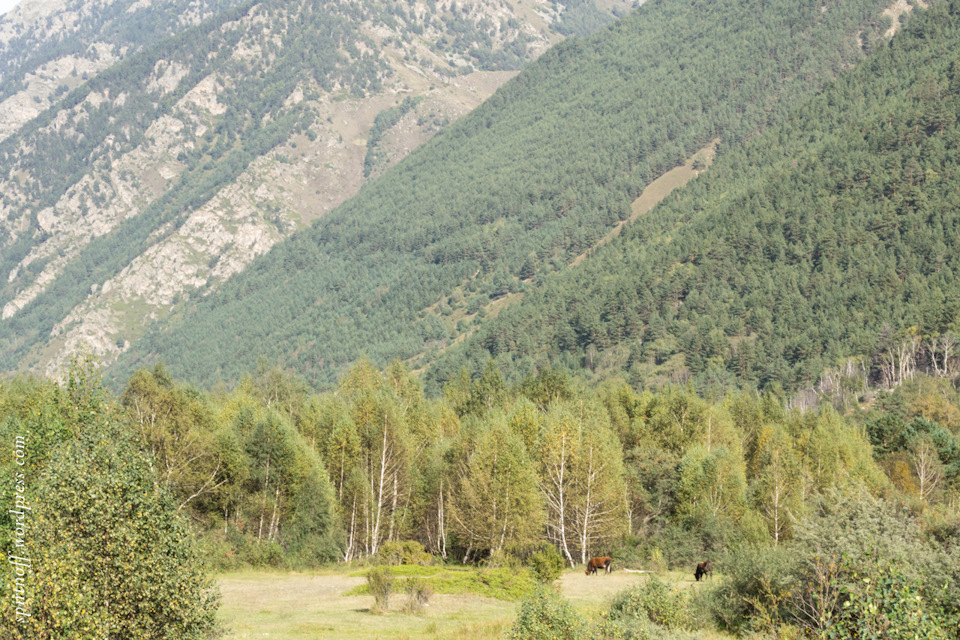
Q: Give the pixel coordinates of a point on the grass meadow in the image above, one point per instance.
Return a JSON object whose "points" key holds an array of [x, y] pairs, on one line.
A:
{"points": [[290, 605]]}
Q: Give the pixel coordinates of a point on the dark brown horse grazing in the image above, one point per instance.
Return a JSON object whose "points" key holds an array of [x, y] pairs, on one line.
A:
{"points": [[599, 563], [703, 568]]}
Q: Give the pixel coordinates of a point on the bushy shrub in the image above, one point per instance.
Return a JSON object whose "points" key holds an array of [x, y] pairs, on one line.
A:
{"points": [[219, 551], [678, 546], [863, 531], [845, 599], [658, 564], [502, 560], [380, 584], [418, 594], [633, 551], [884, 604], [110, 555], [547, 564], [686, 543], [265, 554], [404, 552], [545, 615], [755, 584], [648, 612], [651, 601]]}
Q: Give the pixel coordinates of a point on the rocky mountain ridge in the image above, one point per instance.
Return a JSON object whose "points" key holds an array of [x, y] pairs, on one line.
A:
{"points": [[175, 164]]}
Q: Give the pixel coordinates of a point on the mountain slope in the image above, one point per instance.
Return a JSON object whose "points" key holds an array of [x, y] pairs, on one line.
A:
{"points": [[523, 184], [48, 48], [172, 169], [834, 235]]}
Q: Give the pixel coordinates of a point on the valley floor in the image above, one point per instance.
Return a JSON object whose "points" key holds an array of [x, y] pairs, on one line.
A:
{"points": [[272, 604]]}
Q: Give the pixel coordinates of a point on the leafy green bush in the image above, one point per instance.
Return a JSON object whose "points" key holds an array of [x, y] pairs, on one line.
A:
{"points": [[884, 604], [265, 554], [545, 615], [110, 555], [856, 531], [651, 601], [547, 564], [657, 562], [405, 552], [755, 583], [219, 551]]}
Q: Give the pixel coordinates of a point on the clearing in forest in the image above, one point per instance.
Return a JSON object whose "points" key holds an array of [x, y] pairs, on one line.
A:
{"points": [[291, 606]]}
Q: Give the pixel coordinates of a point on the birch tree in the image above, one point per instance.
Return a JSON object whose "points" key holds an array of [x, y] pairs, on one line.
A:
{"points": [[581, 478], [778, 489], [558, 446], [497, 504], [178, 427], [386, 467], [598, 507], [926, 466]]}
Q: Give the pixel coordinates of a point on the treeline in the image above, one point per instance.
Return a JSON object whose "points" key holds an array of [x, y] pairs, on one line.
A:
{"points": [[270, 473], [522, 185], [831, 236], [491, 468]]}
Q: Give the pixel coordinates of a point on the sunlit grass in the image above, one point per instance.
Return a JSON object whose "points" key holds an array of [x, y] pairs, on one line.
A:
{"points": [[321, 604]]}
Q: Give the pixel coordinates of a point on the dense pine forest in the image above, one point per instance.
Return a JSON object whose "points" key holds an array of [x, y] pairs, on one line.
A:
{"points": [[519, 187], [827, 243]]}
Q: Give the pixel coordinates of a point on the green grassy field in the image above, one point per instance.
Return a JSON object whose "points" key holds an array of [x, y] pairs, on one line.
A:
{"points": [[271, 604]]}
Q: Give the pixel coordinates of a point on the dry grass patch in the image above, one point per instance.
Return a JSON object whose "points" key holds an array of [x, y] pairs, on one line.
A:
{"points": [[260, 604], [293, 606]]}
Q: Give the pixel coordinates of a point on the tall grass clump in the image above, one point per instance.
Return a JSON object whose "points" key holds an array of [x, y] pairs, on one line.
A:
{"points": [[380, 583], [418, 594]]}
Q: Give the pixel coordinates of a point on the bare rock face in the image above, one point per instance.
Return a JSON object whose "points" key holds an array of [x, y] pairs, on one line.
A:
{"points": [[43, 84], [153, 131]]}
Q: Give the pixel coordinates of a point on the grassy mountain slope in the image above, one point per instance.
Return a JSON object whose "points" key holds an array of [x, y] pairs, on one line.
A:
{"points": [[162, 175], [835, 234], [522, 185]]}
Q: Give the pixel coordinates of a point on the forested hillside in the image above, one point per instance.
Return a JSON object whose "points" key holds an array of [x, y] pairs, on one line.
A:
{"points": [[831, 241], [525, 183], [147, 171]]}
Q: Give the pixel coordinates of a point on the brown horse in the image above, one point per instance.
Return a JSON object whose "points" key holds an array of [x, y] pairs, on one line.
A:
{"points": [[703, 569], [599, 563]]}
